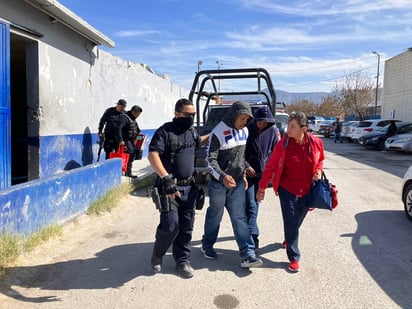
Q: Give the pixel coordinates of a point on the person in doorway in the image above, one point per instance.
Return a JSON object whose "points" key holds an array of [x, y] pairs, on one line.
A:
{"points": [[171, 155], [108, 127], [263, 136], [227, 185], [337, 127], [127, 131], [295, 163]]}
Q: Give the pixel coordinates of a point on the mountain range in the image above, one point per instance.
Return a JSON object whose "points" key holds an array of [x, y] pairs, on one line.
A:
{"points": [[285, 97], [293, 97]]}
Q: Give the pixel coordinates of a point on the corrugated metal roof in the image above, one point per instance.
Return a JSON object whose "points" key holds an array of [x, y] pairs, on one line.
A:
{"points": [[62, 14]]}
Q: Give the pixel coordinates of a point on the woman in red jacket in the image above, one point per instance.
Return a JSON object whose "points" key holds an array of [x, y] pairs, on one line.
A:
{"points": [[296, 161]]}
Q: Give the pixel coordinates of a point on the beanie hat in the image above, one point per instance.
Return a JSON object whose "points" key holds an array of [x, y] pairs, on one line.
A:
{"points": [[264, 114]]}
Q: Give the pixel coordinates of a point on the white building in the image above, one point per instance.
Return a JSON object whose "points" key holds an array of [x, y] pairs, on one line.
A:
{"points": [[397, 97], [56, 84]]}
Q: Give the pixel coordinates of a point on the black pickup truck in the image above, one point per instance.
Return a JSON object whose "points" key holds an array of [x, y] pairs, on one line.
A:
{"points": [[214, 91]]}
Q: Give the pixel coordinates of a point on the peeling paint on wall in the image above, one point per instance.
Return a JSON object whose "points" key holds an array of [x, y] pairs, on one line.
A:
{"points": [[27, 207]]}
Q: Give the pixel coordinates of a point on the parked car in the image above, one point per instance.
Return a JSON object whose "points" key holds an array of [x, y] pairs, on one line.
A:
{"points": [[407, 193], [347, 129], [368, 126], [326, 128], [377, 138], [399, 142], [282, 122], [314, 122]]}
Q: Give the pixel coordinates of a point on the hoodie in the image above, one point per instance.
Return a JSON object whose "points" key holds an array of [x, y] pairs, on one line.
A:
{"points": [[259, 145], [226, 150]]}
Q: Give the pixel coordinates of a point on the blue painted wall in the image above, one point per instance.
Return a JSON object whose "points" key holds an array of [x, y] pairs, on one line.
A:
{"points": [[28, 207], [70, 180], [65, 152]]}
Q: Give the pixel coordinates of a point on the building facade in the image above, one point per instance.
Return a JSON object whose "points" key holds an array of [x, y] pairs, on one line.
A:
{"points": [[398, 87], [55, 84]]}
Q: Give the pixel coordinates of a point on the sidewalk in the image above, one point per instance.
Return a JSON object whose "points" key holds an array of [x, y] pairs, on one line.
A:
{"points": [[143, 171]]}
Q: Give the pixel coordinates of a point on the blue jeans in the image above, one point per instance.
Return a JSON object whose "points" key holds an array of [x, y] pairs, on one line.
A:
{"points": [[252, 208], [337, 136], [294, 211], [234, 201]]}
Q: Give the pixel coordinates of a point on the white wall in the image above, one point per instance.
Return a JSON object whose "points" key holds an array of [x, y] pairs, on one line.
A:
{"points": [[74, 93], [77, 81], [398, 87]]}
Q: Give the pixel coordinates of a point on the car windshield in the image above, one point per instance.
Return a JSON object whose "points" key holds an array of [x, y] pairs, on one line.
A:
{"points": [[282, 119]]}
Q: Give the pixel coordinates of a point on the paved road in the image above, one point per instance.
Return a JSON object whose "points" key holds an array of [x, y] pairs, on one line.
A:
{"points": [[358, 256]]}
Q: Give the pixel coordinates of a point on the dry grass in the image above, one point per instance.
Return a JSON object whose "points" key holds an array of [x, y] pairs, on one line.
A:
{"points": [[12, 246], [38, 237], [10, 249], [110, 199]]}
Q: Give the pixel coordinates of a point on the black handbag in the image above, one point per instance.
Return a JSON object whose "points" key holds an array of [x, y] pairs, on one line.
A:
{"points": [[320, 195]]}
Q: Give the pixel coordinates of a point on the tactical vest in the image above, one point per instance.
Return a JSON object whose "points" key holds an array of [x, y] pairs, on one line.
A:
{"points": [[178, 148], [131, 132], [111, 124], [175, 144]]}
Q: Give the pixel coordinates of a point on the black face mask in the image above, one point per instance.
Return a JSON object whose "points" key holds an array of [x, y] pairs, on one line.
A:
{"points": [[183, 123]]}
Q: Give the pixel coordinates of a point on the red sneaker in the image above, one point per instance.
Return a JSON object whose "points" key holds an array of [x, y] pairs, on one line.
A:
{"points": [[284, 244], [294, 266]]}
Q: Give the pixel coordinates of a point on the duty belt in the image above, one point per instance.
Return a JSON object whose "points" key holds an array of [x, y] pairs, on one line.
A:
{"points": [[185, 181]]}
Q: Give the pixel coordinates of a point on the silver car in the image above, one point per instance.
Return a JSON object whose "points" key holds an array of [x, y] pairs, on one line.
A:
{"points": [[367, 126], [407, 193], [401, 142], [347, 129]]}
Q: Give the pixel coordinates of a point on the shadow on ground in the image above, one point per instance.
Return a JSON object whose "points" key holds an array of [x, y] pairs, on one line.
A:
{"points": [[382, 243]]}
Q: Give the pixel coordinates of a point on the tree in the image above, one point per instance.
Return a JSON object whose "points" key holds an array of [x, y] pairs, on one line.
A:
{"points": [[331, 106], [354, 94], [309, 108]]}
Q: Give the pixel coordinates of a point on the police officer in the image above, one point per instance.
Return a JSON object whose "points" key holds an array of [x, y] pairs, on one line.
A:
{"points": [[127, 131], [171, 155], [108, 122]]}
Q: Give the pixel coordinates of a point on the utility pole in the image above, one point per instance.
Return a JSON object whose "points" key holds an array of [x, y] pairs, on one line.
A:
{"points": [[199, 63], [218, 67], [377, 82]]}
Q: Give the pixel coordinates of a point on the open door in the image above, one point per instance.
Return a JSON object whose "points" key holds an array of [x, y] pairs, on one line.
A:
{"points": [[5, 149]]}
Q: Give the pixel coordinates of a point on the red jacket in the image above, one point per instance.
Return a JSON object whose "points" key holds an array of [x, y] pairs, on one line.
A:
{"points": [[314, 153]]}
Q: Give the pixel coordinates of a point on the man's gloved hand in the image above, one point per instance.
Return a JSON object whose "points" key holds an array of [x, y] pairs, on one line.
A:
{"points": [[168, 185]]}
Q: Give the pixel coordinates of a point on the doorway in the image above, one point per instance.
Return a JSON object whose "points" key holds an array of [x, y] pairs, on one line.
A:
{"points": [[23, 100]]}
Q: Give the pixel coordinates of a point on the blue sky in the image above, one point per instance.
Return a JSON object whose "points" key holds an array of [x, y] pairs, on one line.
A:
{"points": [[307, 46]]}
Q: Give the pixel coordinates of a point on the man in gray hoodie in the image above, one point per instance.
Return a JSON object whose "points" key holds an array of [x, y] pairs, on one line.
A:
{"points": [[227, 167]]}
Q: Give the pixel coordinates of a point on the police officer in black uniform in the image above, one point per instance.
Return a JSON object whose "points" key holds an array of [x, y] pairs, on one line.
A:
{"points": [[127, 131], [108, 122], [171, 155]]}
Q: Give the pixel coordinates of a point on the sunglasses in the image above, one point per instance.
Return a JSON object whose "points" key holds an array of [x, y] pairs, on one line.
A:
{"points": [[186, 114]]}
